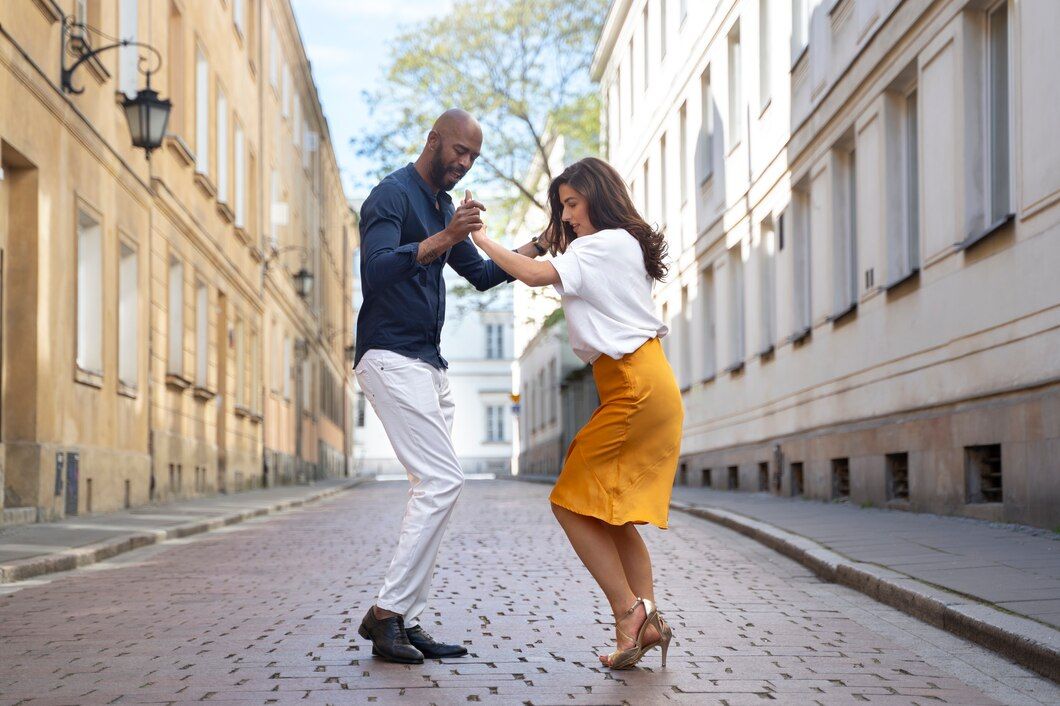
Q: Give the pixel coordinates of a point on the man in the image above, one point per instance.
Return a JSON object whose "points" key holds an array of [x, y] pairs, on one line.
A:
{"points": [[409, 231]]}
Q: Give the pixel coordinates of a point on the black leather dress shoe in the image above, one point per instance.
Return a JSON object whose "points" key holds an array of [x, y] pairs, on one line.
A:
{"points": [[389, 639], [430, 648]]}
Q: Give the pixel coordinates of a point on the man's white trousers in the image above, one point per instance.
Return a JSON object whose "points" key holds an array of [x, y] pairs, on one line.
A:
{"points": [[413, 401]]}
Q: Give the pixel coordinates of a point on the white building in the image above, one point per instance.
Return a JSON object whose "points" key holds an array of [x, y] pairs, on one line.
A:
{"points": [[862, 201], [477, 340]]}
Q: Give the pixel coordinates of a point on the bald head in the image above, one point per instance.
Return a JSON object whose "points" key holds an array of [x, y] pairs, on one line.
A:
{"points": [[453, 145]]}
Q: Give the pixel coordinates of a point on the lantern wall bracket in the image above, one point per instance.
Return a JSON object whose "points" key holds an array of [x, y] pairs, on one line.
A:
{"points": [[67, 72]]}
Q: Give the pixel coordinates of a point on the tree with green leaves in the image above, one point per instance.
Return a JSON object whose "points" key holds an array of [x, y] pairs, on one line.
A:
{"points": [[520, 66]]}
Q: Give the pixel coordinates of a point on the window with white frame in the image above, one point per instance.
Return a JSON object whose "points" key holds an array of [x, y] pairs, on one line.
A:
{"points": [[553, 391], [285, 92], [662, 29], [494, 341], [705, 145], [997, 101], [128, 55], [288, 366], [765, 77], [630, 73], [256, 373], [707, 317], [89, 293], [844, 237], [800, 27], [222, 146], [682, 161], [736, 306], [684, 364], [799, 227], [128, 316], [684, 10], [663, 191], [767, 286], [736, 108], [495, 423], [240, 148], [645, 191], [645, 51], [202, 113], [903, 233], [175, 315], [202, 333]]}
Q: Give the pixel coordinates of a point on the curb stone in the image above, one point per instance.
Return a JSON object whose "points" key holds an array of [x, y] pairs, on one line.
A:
{"points": [[1027, 642], [22, 569]]}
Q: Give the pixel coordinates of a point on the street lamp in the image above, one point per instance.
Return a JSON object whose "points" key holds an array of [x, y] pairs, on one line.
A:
{"points": [[146, 113], [303, 283]]}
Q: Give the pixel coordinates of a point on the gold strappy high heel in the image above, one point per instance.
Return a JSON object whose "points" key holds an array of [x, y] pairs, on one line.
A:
{"points": [[625, 659]]}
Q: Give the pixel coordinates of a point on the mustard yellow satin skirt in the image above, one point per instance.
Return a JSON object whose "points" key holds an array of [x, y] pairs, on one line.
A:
{"points": [[620, 467]]}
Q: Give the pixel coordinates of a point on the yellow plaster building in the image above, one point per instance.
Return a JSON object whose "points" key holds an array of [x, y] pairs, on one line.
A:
{"points": [[154, 343]]}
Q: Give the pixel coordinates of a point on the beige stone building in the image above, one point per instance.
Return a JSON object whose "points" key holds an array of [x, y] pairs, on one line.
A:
{"points": [[153, 340], [862, 201]]}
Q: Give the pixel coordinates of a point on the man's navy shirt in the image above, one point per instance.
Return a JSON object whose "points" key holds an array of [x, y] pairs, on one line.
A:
{"points": [[404, 302]]}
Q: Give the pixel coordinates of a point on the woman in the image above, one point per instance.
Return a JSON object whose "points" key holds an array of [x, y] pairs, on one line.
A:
{"points": [[619, 469]]}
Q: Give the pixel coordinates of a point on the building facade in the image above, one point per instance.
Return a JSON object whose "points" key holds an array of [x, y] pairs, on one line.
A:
{"points": [[862, 202], [141, 298], [477, 341]]}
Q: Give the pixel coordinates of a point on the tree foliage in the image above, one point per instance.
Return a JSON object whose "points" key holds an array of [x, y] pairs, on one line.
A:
{"points": [[520, 66]]}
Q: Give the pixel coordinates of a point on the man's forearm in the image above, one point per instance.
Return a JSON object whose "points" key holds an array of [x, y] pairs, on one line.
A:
{"points": [[432, 248]]}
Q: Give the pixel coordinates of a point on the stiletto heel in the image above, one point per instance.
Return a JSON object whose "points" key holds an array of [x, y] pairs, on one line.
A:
{"points": [[625, 659]]}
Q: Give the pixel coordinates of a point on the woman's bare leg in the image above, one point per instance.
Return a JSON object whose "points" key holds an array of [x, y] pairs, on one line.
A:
{"points": [[636, 562], [594, 542]]}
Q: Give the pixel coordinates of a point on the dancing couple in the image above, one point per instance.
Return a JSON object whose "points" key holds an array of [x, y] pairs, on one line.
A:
{"points": [[619, 469]]}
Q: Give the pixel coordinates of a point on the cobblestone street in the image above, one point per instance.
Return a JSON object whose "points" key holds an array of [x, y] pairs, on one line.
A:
{"points": [[267, 612]]}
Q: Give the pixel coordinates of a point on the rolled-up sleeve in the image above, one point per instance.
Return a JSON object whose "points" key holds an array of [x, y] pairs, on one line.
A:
{"points": [[385, 260], [469, 264]]}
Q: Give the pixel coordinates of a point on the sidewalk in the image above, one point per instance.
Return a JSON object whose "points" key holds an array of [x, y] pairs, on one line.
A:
{"points": [[35, 549], [996, 584]]}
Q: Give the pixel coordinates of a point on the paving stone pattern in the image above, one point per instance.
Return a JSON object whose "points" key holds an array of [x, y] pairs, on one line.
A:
{"points": [[267, 612]]}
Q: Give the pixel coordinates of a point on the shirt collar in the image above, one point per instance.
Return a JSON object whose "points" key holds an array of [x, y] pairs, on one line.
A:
{"points": [[436, 197]]}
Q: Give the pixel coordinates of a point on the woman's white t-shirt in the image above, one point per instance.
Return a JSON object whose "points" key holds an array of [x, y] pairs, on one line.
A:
{"points": [[606, 295]]}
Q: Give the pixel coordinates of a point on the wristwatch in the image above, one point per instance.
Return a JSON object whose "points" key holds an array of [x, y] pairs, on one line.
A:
{"points": [[537, 246]]}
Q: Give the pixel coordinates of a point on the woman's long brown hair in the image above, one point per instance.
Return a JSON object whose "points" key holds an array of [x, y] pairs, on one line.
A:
{"points": [[609, 207]]}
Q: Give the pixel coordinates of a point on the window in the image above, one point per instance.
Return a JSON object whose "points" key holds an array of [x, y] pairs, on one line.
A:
{"points": [[705, 148], [903, 236], [629, 100], [128, 316], [288, 366], [222, 146], [362, 410], [202, 113], [616, 111], [767, 286], [202, 333], [840, 477], [645, 191], [663, 191], [494, 341], [89, 294], [764, 68], [800, 27], [176, 71], [662, 29], [898, 476], [666, 322], [997, 59], [646, 53], [127, 56], [684, 10], [278, 214], [274, 59], [241, 364], [798, 222], [239, 14], [682, 161], [495, 423], [685, 341], [553, 391], [285, 92], [256, 381], [983, 474], [736, 109], [736, 307], [175, 358], [707, 320], [239, 145], [845, 279]]}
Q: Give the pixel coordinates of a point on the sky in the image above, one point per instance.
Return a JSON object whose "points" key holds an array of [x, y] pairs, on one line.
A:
{"points": [[347, 44]]}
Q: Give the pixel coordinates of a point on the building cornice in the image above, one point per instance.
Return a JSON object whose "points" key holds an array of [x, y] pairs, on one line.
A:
{"points": [[616, 18]]}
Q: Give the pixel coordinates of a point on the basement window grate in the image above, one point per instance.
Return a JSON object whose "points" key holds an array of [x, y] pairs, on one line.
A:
{"points": [[898, 476], [734, 477], [763, 475], [982, 468], [796, 478], [840, 477]]}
